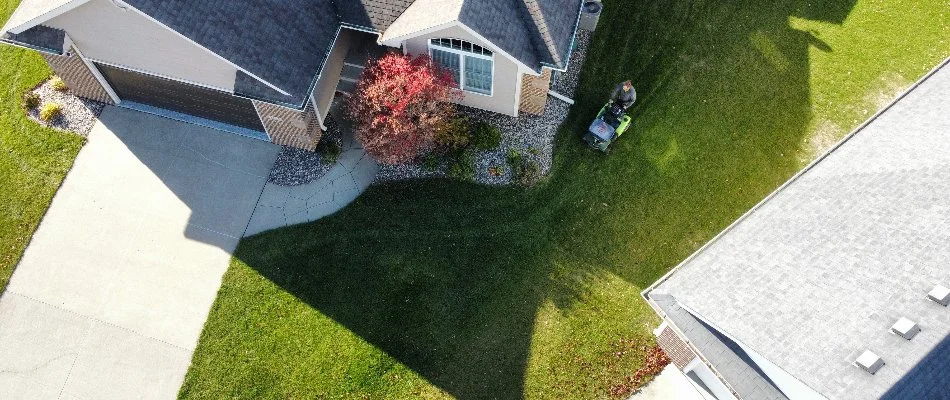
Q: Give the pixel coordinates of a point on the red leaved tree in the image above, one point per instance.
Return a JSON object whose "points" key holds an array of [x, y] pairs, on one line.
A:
{"points": [[398, 104]]}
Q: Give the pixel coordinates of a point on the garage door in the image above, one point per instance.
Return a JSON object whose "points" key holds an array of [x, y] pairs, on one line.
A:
{"points": [[181, 97]]}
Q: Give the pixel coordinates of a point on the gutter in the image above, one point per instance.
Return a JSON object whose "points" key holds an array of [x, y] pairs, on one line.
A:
{"points": [[646, 292]]}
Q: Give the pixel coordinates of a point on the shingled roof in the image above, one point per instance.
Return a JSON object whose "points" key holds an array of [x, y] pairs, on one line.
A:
{"points": [[821, 270], [280, 46]]}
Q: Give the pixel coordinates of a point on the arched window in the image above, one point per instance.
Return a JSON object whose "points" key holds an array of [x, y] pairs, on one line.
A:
{"points": [[471, 65]]}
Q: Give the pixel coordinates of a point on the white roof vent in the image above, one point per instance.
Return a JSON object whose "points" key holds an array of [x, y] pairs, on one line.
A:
{"points": [[940, 295], [906, 328], [869, 362]]}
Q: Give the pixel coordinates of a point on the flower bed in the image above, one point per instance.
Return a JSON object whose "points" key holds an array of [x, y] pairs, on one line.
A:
{"points": [[74, 114], [530, 136]]}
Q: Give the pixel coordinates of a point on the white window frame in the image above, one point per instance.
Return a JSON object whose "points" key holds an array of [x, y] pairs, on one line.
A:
{"points": [[462, 54]]}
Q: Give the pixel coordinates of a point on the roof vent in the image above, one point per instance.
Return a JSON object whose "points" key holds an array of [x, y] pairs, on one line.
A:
{"points": [[869, 362], [940, 295], [906, 328]]}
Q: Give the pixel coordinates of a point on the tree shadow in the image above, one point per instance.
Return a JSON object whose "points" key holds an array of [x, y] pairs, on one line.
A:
{"points": [[448, 278]]}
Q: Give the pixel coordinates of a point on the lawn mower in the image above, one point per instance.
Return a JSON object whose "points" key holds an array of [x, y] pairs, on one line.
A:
{"points": [[611, 122]]}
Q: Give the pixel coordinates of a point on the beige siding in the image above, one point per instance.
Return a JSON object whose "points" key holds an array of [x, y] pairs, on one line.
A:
{"points": [[326, 85], [505, 76], [105, 32]]}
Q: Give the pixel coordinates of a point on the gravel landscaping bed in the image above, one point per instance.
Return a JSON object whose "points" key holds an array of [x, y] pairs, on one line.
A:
{"points": [[299, 167], [532, 136], [78, 115], [565, 82]]}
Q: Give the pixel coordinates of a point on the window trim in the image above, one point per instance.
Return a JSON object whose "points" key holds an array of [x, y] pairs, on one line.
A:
{"points": [[462, 54]]}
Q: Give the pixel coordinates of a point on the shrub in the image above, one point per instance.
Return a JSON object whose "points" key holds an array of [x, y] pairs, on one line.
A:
{"points": [[528, 173], [453, 134], [57, 84], [430, 162], [330, 150], [31, 100], [50, 111], [464, 166], [398, 104], [485, 136], [513, 157]]}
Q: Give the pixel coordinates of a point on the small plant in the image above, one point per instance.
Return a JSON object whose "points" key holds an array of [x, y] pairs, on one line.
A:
{"points": [[534, 151], [50, 111], [31, 100], [464, 166], [454, 134], [528, 173], [513, 157], [430, 162], [496, 170], [485, 136], [58, 84], [330, 150]]}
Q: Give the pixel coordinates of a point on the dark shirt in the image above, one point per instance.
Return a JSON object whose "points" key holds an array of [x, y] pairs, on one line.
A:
{"points": [[626, 97]]}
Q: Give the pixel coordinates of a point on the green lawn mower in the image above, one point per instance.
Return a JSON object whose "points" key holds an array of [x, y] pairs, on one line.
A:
{"points": [[611, 122]]}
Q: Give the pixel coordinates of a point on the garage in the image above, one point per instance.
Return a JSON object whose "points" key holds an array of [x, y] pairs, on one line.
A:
{"points": [[182, 97]]}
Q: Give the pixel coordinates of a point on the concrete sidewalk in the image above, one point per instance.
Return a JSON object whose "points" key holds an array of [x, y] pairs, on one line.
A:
{"points": [[281, 206], [113, 291]]}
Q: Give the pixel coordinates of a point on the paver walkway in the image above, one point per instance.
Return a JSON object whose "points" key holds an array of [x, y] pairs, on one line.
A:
{"points": [[281, 206], [111, 295]]}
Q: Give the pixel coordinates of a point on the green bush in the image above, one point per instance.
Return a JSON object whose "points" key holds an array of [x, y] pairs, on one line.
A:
{"points": [[31, 100], [485, 136], [454, 134], [464, 166], [528, 173], [330, 150], [430, 162], [513, 157], [50, 111], [57, 84]]}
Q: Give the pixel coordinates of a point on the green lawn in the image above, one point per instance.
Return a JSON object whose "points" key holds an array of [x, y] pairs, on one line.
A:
{"points": [[442, 289], [33, 159]]}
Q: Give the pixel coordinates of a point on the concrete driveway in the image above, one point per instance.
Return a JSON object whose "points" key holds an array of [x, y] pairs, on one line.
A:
{"points": [[114, 289]]}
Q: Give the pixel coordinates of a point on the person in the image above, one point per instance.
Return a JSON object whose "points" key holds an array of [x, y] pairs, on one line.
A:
{"points": [[625, 94]]}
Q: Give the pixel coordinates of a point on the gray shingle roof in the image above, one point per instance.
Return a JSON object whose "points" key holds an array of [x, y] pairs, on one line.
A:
{"points": [[285, 42], [42, 38], [736, 367], [820, 271], [533, 31]]}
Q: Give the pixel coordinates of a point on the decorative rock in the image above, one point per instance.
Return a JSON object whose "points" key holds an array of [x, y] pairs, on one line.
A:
{"points": [[78, 115]]}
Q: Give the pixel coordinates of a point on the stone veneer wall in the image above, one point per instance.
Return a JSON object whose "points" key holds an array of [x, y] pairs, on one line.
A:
{"points": [[78, 77], [534, 92], [674, 347], [300, 129]]}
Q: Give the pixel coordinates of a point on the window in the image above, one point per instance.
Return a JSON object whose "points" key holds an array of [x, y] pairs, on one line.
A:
{"points": [[470, 64]]}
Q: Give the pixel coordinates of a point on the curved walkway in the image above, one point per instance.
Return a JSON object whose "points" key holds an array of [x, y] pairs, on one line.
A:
{"points": [[281, 206]]}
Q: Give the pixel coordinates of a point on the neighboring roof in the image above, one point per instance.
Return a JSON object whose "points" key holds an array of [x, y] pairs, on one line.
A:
{"points": [[819, 272], [745, 377]]}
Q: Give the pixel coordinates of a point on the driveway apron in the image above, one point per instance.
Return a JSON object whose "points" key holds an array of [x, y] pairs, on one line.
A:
{"points": [[111, 295]]}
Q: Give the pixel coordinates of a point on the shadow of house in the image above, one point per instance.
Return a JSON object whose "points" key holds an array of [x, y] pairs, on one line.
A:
{"points": [[724, 96], [924, 380], [396, 268]]}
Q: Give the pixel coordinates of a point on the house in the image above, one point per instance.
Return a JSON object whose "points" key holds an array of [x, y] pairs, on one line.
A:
{"points": [[272, 67], [835, 286]]}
